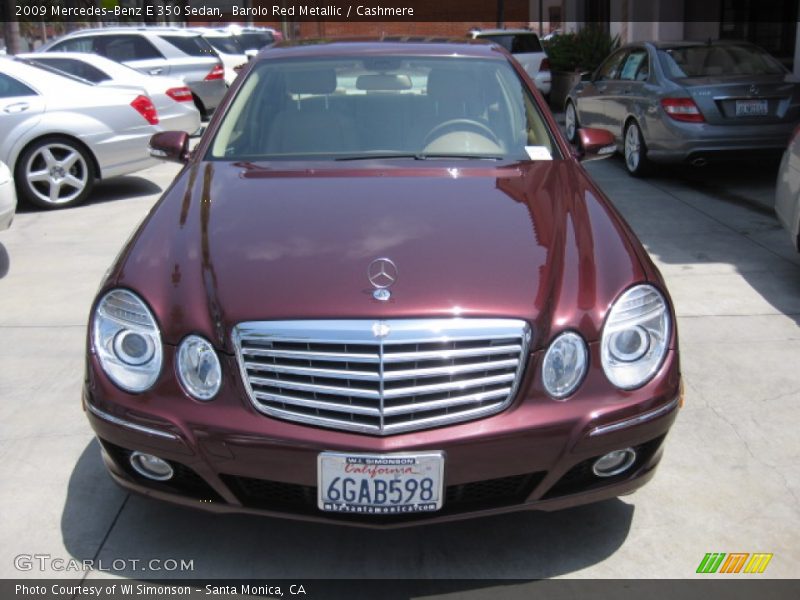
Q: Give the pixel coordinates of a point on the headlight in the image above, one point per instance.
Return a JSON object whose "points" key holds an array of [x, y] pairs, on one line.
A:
{"points": [[564, 365], [635, 337], [198, 367], [127, 341]]}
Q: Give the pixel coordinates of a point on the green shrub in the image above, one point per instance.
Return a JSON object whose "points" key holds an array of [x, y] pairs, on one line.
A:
{"points": [[581, 51]]}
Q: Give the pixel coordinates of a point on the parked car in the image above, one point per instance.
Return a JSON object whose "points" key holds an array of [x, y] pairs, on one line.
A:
{"points": [[154, 50], [171, 97], [59, 134], [525, 46], [253, 39], [382, 290], [228, 49], [787, 194], [8, 197], [687, 102]]}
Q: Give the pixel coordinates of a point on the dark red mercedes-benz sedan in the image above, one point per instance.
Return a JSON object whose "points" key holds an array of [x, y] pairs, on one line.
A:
{"points": [[382, 290]]}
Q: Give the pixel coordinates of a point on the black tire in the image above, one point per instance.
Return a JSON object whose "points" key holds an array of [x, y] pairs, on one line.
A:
{"points": [[54, 172], [571, 123], [634, 151]]}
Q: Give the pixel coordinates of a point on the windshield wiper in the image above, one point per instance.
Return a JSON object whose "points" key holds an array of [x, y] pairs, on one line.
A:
{"points": [[419, 156]]}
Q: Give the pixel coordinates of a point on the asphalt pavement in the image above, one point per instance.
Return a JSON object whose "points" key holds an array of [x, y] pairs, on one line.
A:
{"points": [[728, 482]]}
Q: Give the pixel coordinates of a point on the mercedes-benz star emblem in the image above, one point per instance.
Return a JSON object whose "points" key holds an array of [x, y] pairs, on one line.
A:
{"points": [[380, 329], [382, 274]]}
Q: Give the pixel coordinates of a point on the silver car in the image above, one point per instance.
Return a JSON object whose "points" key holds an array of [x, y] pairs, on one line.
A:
{"points": [[58, 135], [687, 102], [172, 98], [227, 48], [787, 195], [524, 45], [8, 197], [167, 51]]}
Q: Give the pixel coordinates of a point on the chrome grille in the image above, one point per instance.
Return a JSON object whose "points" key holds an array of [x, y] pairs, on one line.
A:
{"points": [[355, 376]]}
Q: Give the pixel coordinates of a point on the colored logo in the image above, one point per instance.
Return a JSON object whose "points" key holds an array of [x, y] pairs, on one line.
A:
{"points": [[735, 562]]}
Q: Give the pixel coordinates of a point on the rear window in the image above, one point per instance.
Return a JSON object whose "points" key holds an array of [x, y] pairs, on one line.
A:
{"points": [[517, 43], [81, 44], [191, 45], [10, 88], [226, 45], [78, 68], [255, 40], [714, 61]]}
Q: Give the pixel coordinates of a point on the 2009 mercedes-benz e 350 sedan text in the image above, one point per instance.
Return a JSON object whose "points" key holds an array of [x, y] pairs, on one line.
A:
{"points": [[382, 290]]}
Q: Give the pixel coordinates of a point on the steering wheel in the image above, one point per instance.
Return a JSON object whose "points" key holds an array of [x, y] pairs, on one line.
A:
{"points": [[457, 124]]}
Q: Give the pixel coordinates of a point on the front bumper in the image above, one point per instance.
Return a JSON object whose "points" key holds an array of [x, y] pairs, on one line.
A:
{"points": [[536, 455]]}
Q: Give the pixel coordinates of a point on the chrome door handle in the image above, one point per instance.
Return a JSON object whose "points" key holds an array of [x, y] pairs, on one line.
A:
{"points": [[156, 71], [17, 107]]}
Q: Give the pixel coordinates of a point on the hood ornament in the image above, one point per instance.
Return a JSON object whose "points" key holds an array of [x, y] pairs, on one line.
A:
{"points": [[382, 274]]}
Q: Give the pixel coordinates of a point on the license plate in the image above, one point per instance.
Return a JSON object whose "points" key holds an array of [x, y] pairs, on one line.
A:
{"points": [[749, 108], [380, 484]]}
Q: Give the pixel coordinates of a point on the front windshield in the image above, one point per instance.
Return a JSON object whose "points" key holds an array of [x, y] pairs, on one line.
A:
{"points": [[383, 107], [718, 61]]}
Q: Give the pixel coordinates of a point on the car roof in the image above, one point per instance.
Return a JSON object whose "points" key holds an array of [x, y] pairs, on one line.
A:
{"points": [[386, 46], [661, 45], [149, 29], [502, 32]]}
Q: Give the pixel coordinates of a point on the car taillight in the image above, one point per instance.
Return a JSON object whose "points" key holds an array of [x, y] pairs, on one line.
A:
{"points": [[545, 65], [682, 109], [180, 94], [216, 73], [145, 107]]}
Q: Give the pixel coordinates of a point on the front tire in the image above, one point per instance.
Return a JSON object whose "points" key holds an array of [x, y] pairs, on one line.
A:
{"points": [[635, 151], [571, 122], [54, 172]]}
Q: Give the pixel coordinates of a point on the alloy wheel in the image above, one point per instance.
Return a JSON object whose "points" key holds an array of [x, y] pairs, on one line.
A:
{"points": [[56, 173], [571, 122], [632, 148]]}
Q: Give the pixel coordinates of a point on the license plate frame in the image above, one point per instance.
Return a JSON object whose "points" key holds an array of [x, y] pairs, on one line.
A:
{"points": [[752, 108], [399, 467]]}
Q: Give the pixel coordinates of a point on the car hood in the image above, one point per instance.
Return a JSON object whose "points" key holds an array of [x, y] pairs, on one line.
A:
{"points": [[234, 242]]}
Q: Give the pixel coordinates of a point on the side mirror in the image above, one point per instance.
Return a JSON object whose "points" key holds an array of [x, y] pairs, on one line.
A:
{"points": [[595, 143], [586, 76], [170, 145]]}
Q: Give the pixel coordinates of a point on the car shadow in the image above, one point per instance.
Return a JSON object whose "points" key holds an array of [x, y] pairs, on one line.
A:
{"points": [[521, 546], [716, 221], [110, 190], [5, 261]]}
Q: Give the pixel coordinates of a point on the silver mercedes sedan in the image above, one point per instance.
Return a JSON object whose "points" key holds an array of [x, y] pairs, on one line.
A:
{"points": [[687, 102], [787, 190], [58, 135]]}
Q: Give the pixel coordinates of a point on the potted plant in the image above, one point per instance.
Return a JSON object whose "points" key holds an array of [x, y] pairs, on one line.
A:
{"points": [[572, 54]]}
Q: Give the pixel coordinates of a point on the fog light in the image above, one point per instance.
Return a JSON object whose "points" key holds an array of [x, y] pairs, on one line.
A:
{"points": [[614, 462], [151, 466]]}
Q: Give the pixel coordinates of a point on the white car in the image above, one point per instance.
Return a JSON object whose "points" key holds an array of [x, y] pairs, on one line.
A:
{"points": [[524, 45], [787, 192], [228, 49], [8, 197], [172, 97], [58, 134]]}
